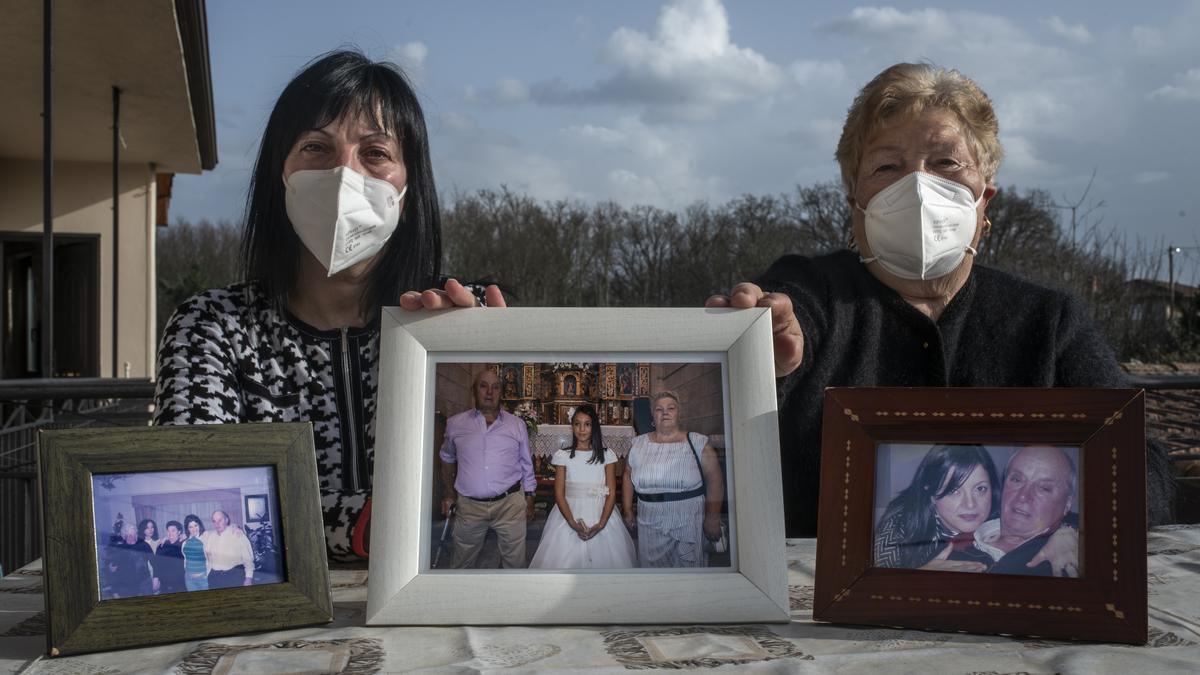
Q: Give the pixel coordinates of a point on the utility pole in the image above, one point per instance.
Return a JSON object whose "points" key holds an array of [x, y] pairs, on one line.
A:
{"points": [[1171, 251], [1073, 207]]}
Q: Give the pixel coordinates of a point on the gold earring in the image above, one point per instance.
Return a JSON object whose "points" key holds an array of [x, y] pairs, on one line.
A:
{"points": [[987, 225]]}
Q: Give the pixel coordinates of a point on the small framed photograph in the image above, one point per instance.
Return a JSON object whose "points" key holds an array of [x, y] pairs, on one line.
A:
{"points": [[1014, 511], [558, 508], [258, 508], [187, 532]]}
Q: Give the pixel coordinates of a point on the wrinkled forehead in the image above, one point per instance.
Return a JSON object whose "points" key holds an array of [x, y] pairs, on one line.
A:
{"points": [[930, 128]]}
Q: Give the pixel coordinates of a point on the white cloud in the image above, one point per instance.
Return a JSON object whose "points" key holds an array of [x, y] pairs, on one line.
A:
{"points": [[973, 42], [921, 24], [508, 90], [637, 163], [687, 68], [469, 156], [1021, 158], [411, 56], [1035, 110], [598, 134], [1077, 34], [634, 188], [1186, 87], [1147, 40], [1147, 177], [511, 90], [457, 122], [816, 72]]}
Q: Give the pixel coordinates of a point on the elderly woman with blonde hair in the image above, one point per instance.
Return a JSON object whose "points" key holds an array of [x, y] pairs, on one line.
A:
{"points": [[677, 481], [906, 305]]}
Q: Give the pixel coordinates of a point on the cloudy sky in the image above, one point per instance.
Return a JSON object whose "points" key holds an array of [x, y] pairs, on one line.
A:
{"points": [[682, 100]]}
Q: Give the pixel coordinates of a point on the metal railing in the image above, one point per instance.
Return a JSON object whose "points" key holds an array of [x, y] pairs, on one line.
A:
{"points": [[28, 406]]}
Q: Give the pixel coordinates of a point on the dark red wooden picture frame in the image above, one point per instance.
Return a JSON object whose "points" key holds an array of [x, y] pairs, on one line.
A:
{"points": [[1108, 603]]}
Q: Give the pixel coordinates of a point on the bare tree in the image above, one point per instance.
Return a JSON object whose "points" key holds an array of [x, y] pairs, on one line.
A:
{"points": [[193, 257], [567, 253]]}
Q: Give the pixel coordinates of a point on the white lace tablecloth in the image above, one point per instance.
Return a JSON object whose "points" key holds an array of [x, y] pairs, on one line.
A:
{"points": [[799, 647]]}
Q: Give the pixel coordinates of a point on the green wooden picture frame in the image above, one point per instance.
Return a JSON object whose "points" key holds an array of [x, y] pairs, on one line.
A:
{"points": [[77, 621]]}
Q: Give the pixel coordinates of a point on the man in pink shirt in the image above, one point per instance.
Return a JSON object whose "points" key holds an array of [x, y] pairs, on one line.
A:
{"points": [[488, 477]]}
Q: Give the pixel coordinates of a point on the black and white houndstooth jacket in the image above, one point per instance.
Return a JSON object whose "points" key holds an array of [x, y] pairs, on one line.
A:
{"points": [[235, 355]]}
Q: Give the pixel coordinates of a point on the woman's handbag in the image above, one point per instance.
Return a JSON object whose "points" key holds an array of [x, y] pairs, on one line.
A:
{"points": [[721, 543]]}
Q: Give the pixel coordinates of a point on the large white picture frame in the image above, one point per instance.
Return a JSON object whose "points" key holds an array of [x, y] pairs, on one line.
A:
{"points": [[402, 587]]}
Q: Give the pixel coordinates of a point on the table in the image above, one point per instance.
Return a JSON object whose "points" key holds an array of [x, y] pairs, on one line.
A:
{"points": [[801, 646]]}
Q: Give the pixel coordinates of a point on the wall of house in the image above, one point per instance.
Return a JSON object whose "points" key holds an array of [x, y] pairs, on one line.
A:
{"points": [[452, 394], [699, 389], [82, 205]]}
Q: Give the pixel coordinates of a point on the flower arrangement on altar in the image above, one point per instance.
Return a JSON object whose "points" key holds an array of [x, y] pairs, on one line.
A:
{"points": [[528, 414]]}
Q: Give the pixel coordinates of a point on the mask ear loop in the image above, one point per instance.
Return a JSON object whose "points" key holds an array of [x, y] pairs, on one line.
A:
{"points": [[853, 245], [987, 227]]}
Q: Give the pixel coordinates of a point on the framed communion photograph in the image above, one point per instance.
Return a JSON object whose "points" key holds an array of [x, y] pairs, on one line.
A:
{"points": [[163, 534], [570, 506], [1014, 511]]}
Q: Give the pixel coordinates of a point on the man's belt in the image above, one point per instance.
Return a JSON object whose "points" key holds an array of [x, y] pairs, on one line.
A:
{"points": [[670, 496], [516, 486]]}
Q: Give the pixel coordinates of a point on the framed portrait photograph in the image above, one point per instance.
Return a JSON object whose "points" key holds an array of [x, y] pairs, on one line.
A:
{"points": [[163, 534], [583, 501], [1014, 511]]}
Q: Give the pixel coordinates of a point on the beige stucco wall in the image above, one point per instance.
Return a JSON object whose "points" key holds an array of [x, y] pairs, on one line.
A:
{"points": [[82, 205]]}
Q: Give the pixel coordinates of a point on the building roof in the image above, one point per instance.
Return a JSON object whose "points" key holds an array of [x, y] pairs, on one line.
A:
{"points": [[1160, 288], [1173, 415], [156, 53]]}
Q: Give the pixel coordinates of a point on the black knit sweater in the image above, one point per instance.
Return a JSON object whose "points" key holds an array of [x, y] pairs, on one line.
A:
{"points": [[998, 331]]}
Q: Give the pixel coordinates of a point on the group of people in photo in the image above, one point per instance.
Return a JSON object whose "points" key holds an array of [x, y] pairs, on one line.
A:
{"points": [[673, 490], [187, 557]]}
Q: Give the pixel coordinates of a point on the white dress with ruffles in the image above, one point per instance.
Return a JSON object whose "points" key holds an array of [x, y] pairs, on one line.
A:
{"points": [[586, 491]]}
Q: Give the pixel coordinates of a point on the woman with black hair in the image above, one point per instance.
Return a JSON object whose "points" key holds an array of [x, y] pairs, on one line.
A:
{"points": [[581, 532], [953, 491], [148, 531], [168, 560], [341, 218], [195, 558]]}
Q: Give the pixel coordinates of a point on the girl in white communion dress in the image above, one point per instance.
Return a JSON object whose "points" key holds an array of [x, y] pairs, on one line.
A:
{"points": [[581, 533]]}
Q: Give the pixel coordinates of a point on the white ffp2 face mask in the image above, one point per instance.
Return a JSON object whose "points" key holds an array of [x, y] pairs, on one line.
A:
{"points": [[342, 216], [921, 226]]}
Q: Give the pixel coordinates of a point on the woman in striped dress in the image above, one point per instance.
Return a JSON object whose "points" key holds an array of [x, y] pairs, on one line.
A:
{"points": [[680, 489], [195, 562]]}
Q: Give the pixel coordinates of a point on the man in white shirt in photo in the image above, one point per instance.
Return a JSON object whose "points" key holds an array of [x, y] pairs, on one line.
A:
{"points": [[229, 554]]}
